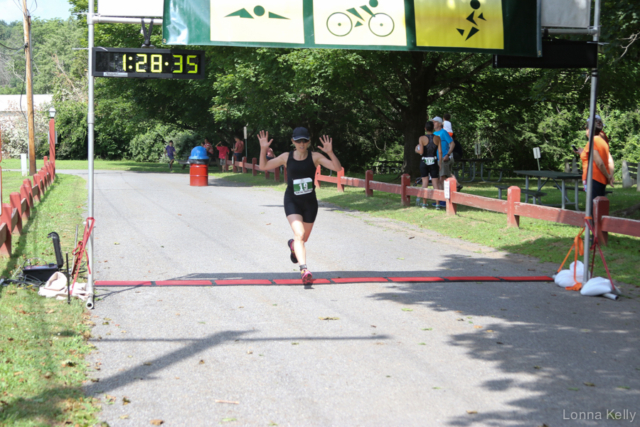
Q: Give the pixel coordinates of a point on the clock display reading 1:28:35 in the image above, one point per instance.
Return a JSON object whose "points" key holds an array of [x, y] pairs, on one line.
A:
{"points": [[148, 63]]}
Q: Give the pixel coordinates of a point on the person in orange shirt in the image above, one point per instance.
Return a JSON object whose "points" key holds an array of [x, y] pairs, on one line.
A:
{"points": [[602, 172]]}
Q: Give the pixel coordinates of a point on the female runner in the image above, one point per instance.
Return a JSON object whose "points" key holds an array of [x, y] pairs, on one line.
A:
{"points": [[300, 202]]}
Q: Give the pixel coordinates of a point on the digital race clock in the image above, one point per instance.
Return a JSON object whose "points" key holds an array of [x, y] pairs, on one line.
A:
{"points": [[148, 63]]}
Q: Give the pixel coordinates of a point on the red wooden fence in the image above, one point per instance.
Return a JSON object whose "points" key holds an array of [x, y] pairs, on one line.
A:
{"points": [[512, 207], [15, 214]]}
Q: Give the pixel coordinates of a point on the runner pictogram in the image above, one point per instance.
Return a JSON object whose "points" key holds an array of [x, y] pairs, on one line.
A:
{"points": [[460, 23], [473, 18]]}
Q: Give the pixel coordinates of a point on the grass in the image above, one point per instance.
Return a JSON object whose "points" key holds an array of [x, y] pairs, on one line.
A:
{"points": [[43, 341], [544, 240]]}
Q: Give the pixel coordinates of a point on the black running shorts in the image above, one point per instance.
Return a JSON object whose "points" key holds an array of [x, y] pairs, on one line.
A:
{"points": [[432, 170], [307, 207]]}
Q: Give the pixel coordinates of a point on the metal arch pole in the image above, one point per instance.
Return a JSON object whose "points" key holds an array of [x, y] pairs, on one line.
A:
{"points": [[592, 125], [90, 155]]}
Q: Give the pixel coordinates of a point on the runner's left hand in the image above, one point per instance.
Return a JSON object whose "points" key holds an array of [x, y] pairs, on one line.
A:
{"points": [[327, 144], [263, 137]]}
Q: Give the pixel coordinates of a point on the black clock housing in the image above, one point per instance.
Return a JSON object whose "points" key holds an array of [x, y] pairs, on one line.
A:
{"points": [[148, 63]]}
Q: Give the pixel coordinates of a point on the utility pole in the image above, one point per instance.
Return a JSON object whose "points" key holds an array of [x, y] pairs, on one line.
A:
{"points": [[29, 82]]}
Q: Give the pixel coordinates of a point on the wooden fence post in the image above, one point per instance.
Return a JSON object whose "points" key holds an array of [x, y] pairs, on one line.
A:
{"points": [[5, 248], [244, 165], [405, 182], [37, 194], [41, 184], [284, 168], [277, 174], [254, 168], [317, 182], [234, 167], [600, 209], [513, 197], [453, 188], [368, 177], [16, 203], [7, 210], [340, 176], [29, 189], [24, 193]]}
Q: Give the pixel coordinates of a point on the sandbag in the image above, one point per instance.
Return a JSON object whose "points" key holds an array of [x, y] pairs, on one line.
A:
{"points": [[565, 278], [596, 286]]}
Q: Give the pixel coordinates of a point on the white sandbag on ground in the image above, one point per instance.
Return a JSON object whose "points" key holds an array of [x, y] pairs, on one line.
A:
{"points": [[599, 286], [565, 278]]}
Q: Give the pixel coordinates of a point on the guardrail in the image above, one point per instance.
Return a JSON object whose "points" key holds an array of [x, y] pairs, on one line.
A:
{"points": [[15, 214]]}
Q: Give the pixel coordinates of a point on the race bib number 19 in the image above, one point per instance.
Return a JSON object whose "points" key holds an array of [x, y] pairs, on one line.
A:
{"points": [[302, 186]]}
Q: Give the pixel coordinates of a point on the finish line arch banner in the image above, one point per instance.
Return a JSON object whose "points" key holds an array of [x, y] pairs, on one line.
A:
{"points": [[507, 27]]}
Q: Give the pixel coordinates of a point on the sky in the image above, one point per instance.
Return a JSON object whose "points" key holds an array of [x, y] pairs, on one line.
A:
{"points": [[11, 10]]}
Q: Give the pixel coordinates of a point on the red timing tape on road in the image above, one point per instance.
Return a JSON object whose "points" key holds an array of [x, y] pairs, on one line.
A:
{"points": [[338, 280]]}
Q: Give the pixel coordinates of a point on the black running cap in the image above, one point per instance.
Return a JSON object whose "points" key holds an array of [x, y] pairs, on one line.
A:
{"points": [[300, 133]]}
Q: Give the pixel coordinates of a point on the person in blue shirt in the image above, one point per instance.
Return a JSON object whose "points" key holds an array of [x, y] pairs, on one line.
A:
{"points": [[171, 152], [447, 144]]}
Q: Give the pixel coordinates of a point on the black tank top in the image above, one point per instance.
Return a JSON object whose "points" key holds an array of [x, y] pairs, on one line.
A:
{"points": [[431, 149], [301, 176]]}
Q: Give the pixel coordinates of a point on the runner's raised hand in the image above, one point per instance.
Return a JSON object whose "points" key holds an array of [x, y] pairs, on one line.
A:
{"points": [[327, 144], [263, 137]]}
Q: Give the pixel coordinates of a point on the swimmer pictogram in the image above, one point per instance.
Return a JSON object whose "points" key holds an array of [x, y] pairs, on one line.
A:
{"points": [[475, 5], [258, 11], [340, 24]]}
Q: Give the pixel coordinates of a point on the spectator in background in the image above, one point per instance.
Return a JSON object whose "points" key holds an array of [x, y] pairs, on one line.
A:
{"points": [[171, 152], [207, 146], [446, 160], [238, 148], [457, 154], [447, 125], [223, 151], [579, 152], [602, 173], [270, 154]]}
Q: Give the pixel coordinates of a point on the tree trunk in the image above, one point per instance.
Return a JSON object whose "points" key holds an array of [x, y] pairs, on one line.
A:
{"points": [[411, 162]]}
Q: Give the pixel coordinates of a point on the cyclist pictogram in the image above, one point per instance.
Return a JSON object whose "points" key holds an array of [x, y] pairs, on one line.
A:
{"points": [[340, 24]]}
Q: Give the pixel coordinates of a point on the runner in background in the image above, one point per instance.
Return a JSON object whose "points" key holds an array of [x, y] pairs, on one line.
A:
{"points": [[300, 201]]}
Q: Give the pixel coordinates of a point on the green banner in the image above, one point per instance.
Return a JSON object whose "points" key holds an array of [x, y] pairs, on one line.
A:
{"points": [[508, 27]]}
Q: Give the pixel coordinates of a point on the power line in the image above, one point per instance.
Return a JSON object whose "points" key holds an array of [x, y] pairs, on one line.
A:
{"points": [[13, 48]]}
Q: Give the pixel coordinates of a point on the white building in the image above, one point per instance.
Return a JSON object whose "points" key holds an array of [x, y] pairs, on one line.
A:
{"points": [[13, 105]]}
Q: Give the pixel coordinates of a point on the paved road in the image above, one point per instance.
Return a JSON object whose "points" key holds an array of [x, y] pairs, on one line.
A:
{"points": [[422, 354]]}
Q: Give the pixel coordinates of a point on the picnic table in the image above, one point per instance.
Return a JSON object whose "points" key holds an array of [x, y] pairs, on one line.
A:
{"points": [[559, 180], [386, 166], [472, 170]]}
